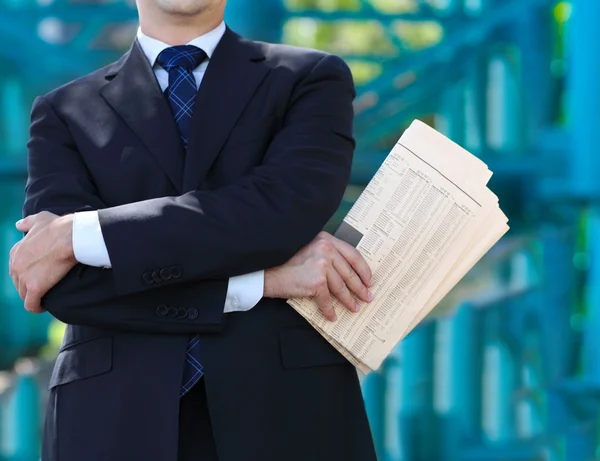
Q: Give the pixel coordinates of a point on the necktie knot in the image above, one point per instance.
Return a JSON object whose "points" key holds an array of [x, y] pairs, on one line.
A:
{"points": [[187, 56]]}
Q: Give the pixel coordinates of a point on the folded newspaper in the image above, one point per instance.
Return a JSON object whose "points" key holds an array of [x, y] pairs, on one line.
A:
{"points": [[422, 223]]}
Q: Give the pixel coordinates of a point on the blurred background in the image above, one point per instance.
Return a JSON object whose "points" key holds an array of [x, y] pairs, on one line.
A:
{"points": [[508, 366]]}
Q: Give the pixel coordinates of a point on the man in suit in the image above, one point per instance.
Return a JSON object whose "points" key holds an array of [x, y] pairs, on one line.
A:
{"points": [[175, 200]]}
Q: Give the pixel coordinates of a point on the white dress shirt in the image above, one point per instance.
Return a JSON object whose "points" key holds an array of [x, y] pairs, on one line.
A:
{"points": [[244, 291]]}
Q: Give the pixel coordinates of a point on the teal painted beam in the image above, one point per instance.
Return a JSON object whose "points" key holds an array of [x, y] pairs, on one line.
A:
{"points": [[374, 391], [24, 416], [584, 94], [405, 83], [257, 20]]}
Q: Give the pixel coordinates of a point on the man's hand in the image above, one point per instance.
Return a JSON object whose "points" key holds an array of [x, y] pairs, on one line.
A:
{"points": [[326, 266], [42, 258]]}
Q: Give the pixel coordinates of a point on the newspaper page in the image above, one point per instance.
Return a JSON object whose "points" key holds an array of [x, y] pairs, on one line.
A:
{"points": [[423, 221], [484, 242]]}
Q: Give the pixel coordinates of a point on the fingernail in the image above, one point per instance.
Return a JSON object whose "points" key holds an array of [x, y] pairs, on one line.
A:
{"points": [[334, 317], [19, 222], [356, 307], [371, 282], [370, 296]]}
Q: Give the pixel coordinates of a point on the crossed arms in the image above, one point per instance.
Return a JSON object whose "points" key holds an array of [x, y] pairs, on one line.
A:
{"points": [[259, 222]]}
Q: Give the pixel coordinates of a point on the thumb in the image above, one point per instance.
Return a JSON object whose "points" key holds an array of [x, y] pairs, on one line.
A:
{"points": [[25, 225]]}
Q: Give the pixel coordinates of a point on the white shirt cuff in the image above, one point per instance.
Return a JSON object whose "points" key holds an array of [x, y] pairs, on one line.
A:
{"points": [[244, 292], [88, 242]]}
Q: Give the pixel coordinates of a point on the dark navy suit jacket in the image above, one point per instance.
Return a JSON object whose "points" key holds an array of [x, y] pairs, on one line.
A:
{"points": [[268, 160]]}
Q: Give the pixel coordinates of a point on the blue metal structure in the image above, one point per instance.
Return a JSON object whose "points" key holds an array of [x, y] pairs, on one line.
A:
{"points": [[513, 373]]}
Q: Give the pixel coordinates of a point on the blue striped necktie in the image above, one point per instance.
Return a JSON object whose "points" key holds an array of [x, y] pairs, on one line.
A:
{"points": [[179, 62]]}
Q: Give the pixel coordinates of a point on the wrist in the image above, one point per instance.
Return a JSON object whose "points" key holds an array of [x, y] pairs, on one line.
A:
{"points": [[271, 283], [65, 228]]}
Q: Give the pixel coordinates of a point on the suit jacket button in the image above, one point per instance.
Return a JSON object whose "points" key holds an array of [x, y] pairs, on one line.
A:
{"points": [[165, 274], [176, 272], [147, 277], [156, 277], [172, 311], [182, 313], [162, 310], [192, 314]]}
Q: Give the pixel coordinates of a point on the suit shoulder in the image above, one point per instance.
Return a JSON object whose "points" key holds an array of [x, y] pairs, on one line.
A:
{"points": [[80, 87], [289, 52], [300, 59]]}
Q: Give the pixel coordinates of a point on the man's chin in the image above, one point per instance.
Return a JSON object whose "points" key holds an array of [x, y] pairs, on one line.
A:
{"points": [[181, 8]]}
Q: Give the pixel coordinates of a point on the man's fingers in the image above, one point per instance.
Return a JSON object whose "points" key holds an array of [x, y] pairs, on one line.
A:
{"points": [[353, 257], [33, 302], [13, 273], [25, 225], [323, 300], [351, 278], [11, 262], [21, 287], [43, 218], [338, 288]]}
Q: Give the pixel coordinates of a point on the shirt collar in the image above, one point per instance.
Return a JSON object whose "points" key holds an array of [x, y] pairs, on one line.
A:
{"points": [[207, 42]]}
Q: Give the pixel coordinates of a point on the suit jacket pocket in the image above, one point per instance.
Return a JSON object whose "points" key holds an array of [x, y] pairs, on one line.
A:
{"points": [[303, 347], [82, 360]]}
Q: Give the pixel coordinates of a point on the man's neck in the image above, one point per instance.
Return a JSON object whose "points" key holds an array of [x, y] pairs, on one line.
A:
{"points": [[177, 30]]}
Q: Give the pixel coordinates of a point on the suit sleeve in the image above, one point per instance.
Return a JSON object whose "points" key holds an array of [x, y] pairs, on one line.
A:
{"points": [[262, 220], [59, 182]]}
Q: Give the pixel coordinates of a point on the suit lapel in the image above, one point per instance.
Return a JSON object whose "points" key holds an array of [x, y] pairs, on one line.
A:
{"points": [[135, 95], [234, 72]]}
